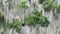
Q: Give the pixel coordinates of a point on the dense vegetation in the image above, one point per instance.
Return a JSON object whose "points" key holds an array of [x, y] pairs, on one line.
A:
{"points": [[35, 18]]}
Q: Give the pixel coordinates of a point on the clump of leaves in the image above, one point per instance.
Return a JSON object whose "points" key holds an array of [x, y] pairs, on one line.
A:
{"points": [[14, 24], [44, 22], [47, 5], [41, 1], [36, 18], [54, 7], [18, 30], [30, 20], [58, 8], [23, 4]]}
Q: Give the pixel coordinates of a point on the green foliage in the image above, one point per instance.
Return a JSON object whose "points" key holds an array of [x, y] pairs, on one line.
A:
{"points": [[54, 7], [1, 32], [36, 18], [18, 30], [1, 14], [41, 1], [14, 24], [48, 5], [44, 22], [58, 8], [31, 19], [23, 4], [9, 6]]}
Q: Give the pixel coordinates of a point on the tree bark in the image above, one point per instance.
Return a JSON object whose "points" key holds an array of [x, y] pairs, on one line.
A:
{"points": [[37, 30], [45, 30], [5, 9], [13, 31]]}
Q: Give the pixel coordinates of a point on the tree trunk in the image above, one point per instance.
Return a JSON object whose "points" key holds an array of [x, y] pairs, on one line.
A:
{"points": [[31, 29], [13, 31], [37, 30], [45, 30], [5, 9]]}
